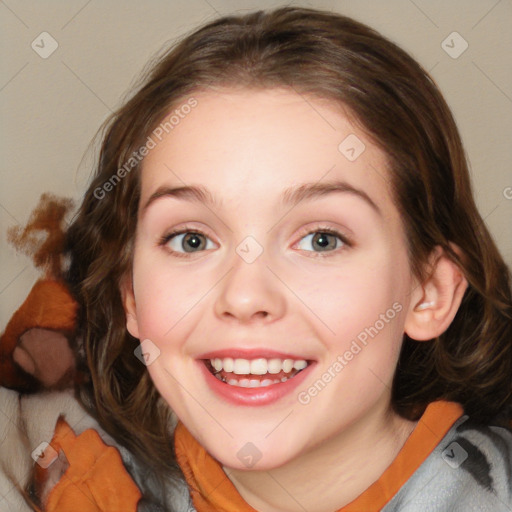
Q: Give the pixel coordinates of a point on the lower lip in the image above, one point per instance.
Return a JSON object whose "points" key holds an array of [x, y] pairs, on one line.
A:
{"points": [[253, 396]]}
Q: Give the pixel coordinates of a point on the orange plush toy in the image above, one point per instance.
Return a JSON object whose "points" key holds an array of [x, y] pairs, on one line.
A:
{"points": [[37, 348], [38, 352]]}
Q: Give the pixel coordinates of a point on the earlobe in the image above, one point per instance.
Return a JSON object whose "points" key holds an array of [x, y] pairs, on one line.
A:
{"points": [[436, 301], [130, 309]]}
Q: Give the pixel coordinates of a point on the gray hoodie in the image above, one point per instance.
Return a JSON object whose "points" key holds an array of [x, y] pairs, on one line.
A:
{"points": [[470, 470]]}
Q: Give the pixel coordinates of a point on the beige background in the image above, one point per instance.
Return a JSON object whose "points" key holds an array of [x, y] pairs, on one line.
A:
{"points": [[51, 108]]}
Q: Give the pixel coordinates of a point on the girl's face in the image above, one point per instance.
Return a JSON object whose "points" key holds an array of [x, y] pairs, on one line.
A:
{"points": [[289, 275]]}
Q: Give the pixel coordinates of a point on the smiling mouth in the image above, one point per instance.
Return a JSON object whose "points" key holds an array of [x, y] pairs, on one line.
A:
{"points": [[254, 373]]}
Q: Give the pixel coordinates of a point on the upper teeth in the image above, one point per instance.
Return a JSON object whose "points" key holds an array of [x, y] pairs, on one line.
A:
{"points": [[259, 366]]}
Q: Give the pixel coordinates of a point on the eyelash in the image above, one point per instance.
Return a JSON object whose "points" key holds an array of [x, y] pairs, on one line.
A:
{"points": [[164, 240]]}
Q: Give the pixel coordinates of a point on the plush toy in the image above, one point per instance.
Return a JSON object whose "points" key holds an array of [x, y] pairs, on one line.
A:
{"points": [[54, 455], [37, 348]]}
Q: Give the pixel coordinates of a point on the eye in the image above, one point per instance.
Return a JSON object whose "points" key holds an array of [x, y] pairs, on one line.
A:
{"points": [[326, 239], [185, 241]]}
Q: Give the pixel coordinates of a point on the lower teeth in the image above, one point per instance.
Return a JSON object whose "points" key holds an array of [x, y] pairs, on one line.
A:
{"points": [[251, 383]]}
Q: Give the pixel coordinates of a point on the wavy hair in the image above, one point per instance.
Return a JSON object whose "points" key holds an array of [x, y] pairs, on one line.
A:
{"points": [[394, 100]]}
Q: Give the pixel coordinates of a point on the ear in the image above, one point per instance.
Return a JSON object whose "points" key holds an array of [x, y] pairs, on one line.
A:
{"points": [[130, 308], [435, 302]]}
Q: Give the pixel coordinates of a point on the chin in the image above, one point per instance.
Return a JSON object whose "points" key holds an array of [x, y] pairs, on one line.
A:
{"points": [[248, 456]]}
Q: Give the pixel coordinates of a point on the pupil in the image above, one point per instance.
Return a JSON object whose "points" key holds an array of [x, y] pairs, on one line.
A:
{"points": [[193, 241], [322, 240]]}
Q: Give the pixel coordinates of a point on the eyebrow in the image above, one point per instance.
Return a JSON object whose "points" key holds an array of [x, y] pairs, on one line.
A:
{"points": [[290, 197]]}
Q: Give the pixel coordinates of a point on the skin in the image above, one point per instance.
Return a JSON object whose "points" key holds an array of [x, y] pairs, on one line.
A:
{"points": [[247, 147]]}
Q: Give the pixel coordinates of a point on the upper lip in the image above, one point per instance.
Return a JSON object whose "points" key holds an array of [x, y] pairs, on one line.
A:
{"points": [[254, 353]]}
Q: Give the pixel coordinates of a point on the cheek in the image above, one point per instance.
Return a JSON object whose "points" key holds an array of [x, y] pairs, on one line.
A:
{"points": [[349, 299], [362, 319], [165, 297]]}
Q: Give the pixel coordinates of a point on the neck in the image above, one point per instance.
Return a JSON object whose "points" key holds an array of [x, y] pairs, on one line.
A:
{"points": [[338, 470]]}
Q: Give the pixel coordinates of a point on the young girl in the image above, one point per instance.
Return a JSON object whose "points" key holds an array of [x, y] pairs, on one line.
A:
{"points": [[281, 246]]}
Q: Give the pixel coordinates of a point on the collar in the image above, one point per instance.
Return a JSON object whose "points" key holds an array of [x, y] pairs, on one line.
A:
{"points": [[211, 490]]}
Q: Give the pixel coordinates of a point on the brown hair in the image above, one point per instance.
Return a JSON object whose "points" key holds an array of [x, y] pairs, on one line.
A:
{"points": [[398, 105]]}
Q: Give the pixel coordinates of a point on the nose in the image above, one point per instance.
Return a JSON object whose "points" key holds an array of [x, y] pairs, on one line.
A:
{"points": [[250, 292]]}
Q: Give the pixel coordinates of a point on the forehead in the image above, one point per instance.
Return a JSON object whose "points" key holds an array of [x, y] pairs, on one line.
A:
{"points": [[258, 145]]}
